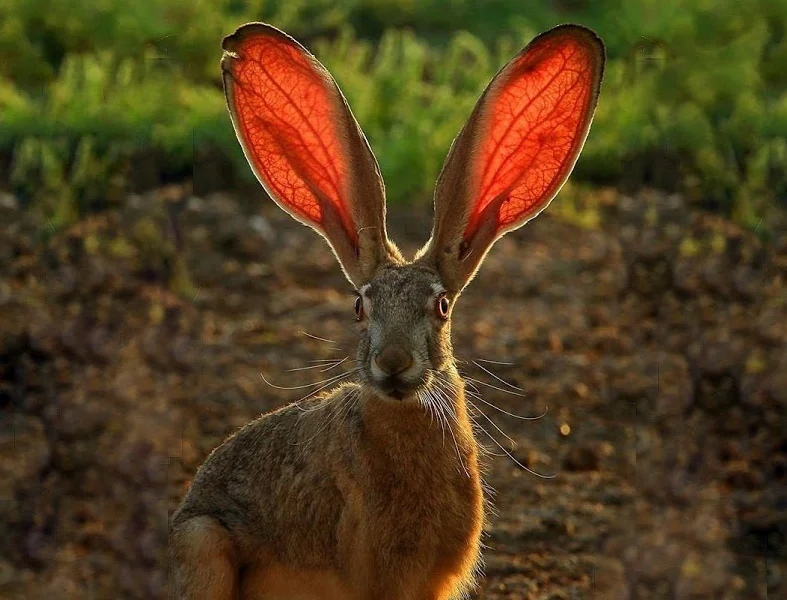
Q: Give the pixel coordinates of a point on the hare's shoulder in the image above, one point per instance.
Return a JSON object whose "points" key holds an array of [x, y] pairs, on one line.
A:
{"points": [[288, 430], [276, 455]]}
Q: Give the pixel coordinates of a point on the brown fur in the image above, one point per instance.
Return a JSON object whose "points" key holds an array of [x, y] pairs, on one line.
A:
{"points": [[369, 492]]}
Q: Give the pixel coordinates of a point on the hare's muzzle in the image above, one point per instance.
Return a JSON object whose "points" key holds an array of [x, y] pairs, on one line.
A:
{"points": [[393, 360], [395, 372]]}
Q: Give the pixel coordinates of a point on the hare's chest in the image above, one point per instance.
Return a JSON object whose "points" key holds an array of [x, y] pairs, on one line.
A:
{"points": [[419, 524], [424, 543]]}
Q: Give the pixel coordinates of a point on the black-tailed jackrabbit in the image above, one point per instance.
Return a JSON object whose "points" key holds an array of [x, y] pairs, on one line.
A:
{"points": [[362, 493]]}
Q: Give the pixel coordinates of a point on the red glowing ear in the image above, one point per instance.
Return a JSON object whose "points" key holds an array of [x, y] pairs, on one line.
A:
{"points": [[304, 145], [517, 149]]}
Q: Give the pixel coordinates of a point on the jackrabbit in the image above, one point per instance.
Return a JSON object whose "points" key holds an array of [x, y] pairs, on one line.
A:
{"points": [[372, 491]]}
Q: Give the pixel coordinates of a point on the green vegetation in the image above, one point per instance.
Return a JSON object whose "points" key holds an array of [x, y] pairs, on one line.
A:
{"points": [[695, 97]]}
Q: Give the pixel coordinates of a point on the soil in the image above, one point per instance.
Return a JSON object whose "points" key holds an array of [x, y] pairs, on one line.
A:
{"points": [[132, 343]]}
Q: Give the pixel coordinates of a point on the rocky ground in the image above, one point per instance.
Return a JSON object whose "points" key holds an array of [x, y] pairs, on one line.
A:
{"points": [[132, 343]]}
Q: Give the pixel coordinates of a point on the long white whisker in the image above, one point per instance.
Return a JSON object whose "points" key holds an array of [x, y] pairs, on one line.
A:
{"points": [[320, 366], [445, 383], [334, 366], [510, 414], [477, 396], [314, 337], [494, 387], [441, 417], [495, 362], [332, 381], [440, 393], [495, 425], [478, 425], [469, 382], [426, 404], [298, 387], [324, 360], [500, 379], [511, 456], [325, 366]]}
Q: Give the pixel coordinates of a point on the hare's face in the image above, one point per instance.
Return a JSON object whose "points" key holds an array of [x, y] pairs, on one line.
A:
{"points": [[403, 315]]}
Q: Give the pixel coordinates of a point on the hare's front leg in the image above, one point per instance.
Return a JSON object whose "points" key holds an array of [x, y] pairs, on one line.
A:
{"points": [[202, 562]]}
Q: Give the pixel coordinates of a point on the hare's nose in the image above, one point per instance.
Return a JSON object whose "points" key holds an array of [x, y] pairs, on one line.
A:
{"points": [[393, 360]]}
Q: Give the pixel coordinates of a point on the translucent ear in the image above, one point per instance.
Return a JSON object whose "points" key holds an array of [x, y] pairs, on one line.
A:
{"points": [[304, 145], [516, 150]]}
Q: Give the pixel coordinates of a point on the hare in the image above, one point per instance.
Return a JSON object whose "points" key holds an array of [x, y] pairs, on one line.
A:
{"points": [[372, 491]]}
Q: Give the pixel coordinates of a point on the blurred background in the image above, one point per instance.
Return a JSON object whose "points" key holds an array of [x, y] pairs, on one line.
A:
{"points": [[145, 281], [99, 97]]}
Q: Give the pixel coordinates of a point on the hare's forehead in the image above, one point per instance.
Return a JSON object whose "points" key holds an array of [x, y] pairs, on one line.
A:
{"points": [[402, 285]]}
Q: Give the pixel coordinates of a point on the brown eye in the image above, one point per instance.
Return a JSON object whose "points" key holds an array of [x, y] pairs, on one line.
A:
{"points": [[358, 308], [441, 306]]}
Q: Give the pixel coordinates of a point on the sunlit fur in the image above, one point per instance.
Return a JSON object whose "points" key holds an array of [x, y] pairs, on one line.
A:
{"points": [[380, 496]]}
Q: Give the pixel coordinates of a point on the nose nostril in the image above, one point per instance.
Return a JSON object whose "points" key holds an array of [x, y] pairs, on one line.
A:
{"points": [[392, 360]]}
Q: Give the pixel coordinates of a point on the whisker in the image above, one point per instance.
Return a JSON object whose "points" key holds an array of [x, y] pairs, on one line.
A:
{"points": [[478, 426], [322, 365], [334, 366], [441, 417], [510, 414], [500, 379], [305, 368], [445, 401], [444, 383], [475, 394], [472, 390], [297, 387], [426, 404], [470, 384], [438, 410], [495, 425], [327, 383], [511, 456], [323, 360], [314, 337], [495, 362], [494, 387]]}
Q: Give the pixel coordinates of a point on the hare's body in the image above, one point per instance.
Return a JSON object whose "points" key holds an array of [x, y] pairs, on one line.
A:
{"points": [[373, 492], [350, 490]]}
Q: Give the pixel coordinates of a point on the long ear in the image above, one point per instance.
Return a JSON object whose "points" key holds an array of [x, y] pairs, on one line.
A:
{"points": [[516, 150], [305, 146]]}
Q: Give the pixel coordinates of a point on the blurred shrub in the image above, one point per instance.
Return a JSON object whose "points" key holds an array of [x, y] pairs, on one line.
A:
{"points": [[94, 94]]}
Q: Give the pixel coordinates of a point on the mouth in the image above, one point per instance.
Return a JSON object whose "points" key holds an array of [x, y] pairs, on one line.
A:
{"points": [[396, 388]]}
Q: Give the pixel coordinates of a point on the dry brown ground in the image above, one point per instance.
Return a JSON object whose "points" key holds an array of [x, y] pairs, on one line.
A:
{"points": [[657, 341]]}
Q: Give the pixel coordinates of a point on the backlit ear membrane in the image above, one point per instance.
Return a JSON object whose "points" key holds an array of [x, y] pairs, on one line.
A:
{"points": [[303, 143], [517, 148]]}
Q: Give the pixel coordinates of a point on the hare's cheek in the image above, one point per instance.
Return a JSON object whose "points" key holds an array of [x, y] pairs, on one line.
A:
{"points": [[439, 347], [363, 353], [374, 333], [367, 307]]}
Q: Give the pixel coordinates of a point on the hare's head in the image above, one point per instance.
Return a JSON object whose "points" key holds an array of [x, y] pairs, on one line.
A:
{"points": [[508, 162]]}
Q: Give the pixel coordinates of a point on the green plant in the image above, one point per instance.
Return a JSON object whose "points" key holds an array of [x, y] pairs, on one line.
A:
{"points": [[694, 99]]}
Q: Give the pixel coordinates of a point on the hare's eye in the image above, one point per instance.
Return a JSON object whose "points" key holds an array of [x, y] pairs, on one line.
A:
{"points": [[441, 306], [358, 308]]}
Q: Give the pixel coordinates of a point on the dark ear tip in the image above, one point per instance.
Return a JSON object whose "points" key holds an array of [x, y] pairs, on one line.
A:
{"points": [[580, 32], [244, 32]]}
